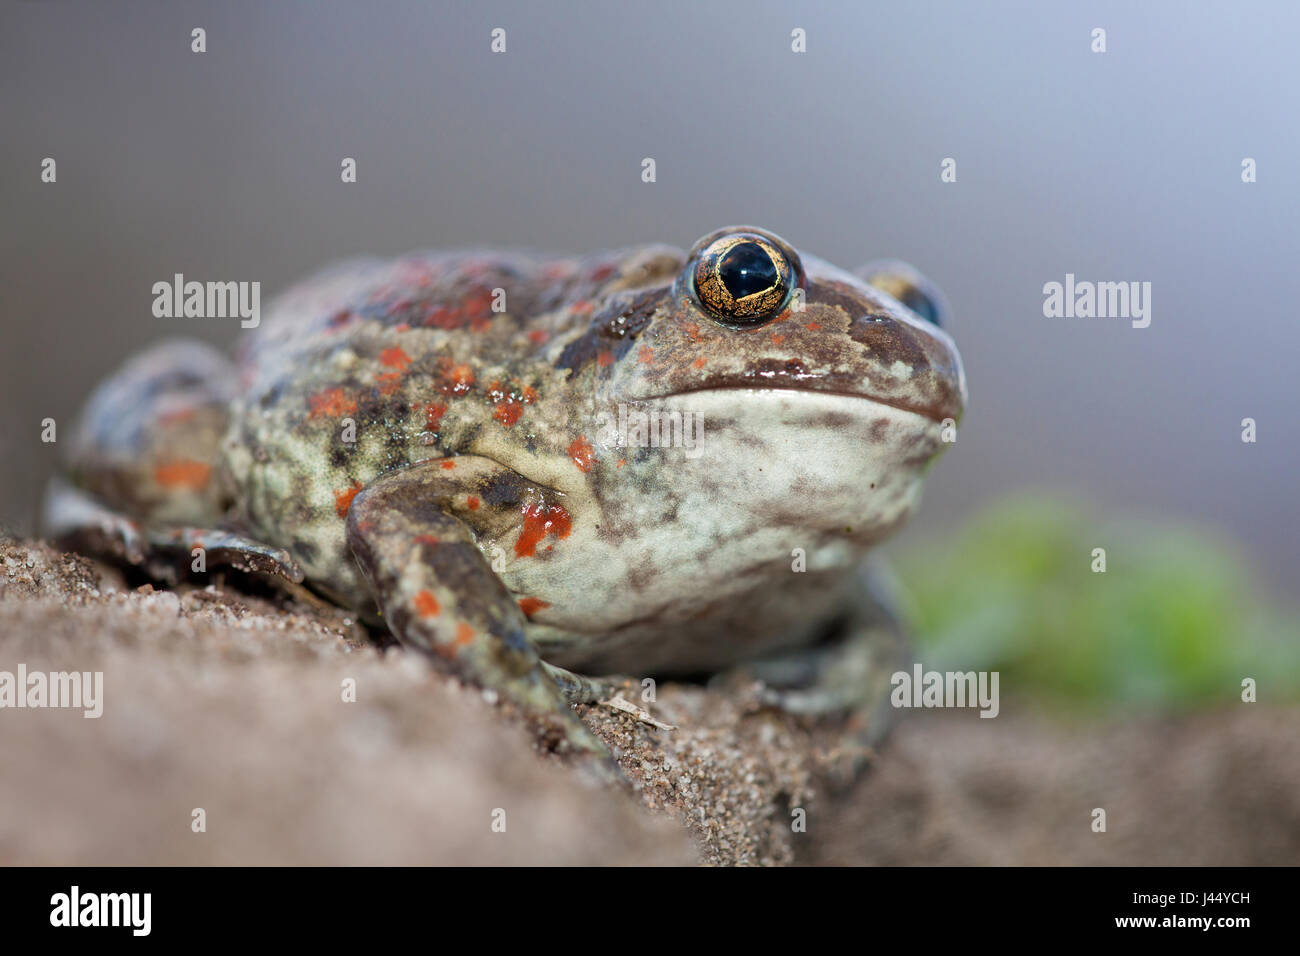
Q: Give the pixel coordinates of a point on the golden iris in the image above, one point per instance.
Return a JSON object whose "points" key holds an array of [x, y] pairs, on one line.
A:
{"points": [[743, 278]]}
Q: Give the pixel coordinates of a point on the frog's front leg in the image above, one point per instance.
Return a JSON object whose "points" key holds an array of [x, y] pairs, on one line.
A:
{"points": [[439, 593]]}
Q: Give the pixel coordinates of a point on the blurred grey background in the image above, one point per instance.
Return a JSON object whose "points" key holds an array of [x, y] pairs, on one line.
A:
{"points": [[1115, 166]]}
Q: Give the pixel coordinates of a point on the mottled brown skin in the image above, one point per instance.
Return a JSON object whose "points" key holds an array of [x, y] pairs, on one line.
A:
{"points": [[429, 438]]}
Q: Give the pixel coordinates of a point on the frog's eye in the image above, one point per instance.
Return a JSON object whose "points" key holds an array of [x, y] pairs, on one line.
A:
{"points": [[909, 287], [742, 277]]}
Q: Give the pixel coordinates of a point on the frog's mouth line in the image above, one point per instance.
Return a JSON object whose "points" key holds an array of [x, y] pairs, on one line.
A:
{"points": [[933, 412]]}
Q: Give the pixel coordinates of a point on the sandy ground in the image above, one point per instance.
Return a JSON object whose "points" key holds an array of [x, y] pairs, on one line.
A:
{"points": [[226, 701]]}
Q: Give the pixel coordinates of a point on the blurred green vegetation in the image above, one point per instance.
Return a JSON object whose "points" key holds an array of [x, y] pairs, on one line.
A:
{"points": [[1175, 622]]}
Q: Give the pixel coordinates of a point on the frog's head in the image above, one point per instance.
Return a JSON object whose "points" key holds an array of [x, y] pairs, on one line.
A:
{"points": [[821, 393]]}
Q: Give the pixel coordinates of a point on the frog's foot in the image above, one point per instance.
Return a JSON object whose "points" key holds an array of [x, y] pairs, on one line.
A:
{"points": [[439, 594], [849, 673], [77, 520]]}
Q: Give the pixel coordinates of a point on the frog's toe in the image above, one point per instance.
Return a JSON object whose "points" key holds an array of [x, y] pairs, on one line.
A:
{"points": [[228, 549], [578, 688], [77, 521]]}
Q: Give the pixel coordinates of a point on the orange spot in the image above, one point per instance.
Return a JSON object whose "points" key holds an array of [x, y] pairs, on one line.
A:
{"points": [[395, 357], [529, 393], [390, 382], [698, 363], [777, 339], [472, 502], [583, 308], [343, 499], [693, 330], [581, 452], [176, 417], [402, 327], [646, 354], [539, 521], [604, 358], [426, 605], [621, 463], [433, 413], [531, 605], [448, 465], [426, 539], [538, 336], [457, 379], [182, 473], [813, 325], [332, 402], [464, 634], [508, 412]]}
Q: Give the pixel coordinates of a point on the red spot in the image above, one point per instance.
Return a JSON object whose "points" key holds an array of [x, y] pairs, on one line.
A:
{"points": [[426, 605], [343, 499], [448, 465], [508, 412], [814, 326], [442, 317], [531, 605], [693, 330], [785, 314], [604, 358], [182, 473], [539, 521], [389, 382], [456, 379], [646, 355], [601, 273], [433, 413], [332, 402], [395, 357], [538, 336], [402, 327], [472, 503], [176, 416], [529, 393], [426, 539], [777, 339], [581, 452], [464, 634], [698, 363], [583, 308], [479, 303]]}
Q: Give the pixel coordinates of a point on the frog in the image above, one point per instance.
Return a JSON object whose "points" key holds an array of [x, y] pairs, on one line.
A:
{"points": [[551, 474]]}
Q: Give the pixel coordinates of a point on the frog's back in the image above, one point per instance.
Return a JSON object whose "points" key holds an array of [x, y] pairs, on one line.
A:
{"points": [[373, 365]]}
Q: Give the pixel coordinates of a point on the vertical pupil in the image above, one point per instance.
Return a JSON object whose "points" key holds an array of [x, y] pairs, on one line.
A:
{"points": [[746, 269]]}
